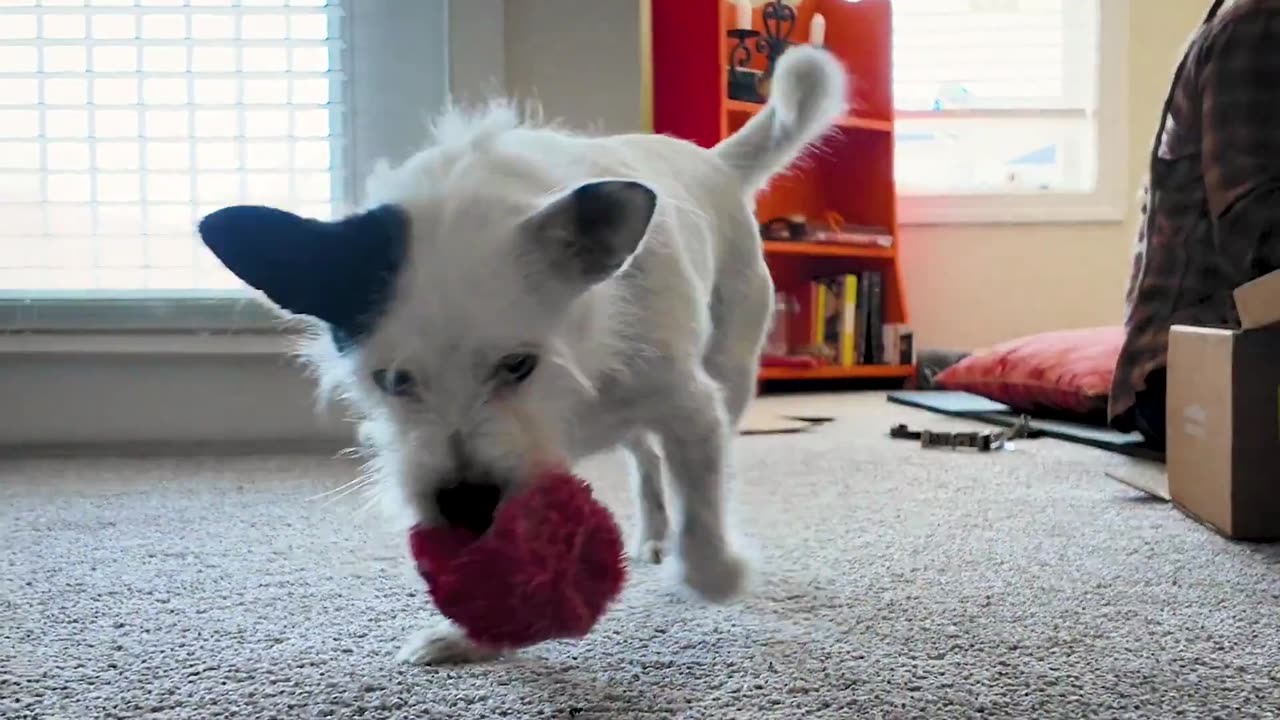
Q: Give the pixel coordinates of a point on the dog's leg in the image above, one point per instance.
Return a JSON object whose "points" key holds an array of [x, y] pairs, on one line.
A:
{"points": [[695, 431], [646, 489], [740, 312], [443, 643]]}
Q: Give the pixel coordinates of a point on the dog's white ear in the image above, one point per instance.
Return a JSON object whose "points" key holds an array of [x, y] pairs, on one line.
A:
{"points": [[589, 233], [340, 272]]}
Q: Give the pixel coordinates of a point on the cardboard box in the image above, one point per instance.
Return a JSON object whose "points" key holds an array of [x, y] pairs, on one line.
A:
{"points": [[1223, 417]]}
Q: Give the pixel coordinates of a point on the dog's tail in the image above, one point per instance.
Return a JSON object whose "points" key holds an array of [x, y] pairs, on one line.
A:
{"points": [[807, 96]]}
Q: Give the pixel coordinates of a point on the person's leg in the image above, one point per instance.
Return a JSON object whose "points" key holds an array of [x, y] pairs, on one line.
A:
{"points": [[1149, 409]]}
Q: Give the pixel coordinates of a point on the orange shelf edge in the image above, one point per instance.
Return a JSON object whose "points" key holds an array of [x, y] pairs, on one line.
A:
{"points": [[827, 249], [742, 107], [835, 372]]}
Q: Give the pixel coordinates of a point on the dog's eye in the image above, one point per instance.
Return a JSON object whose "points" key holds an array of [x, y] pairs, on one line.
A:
{"points": [[517, 367], [399, 383]]}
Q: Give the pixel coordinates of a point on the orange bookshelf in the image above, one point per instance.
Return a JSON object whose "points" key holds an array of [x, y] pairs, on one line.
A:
{"points": [[825, 249], [836, 372], [688, 63]]}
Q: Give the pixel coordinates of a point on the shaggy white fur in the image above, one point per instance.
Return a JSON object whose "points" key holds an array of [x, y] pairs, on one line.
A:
{"points": [[564, 295]]}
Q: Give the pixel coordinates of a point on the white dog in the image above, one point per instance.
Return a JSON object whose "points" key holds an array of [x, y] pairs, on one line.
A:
{"points": [[516, 294]]}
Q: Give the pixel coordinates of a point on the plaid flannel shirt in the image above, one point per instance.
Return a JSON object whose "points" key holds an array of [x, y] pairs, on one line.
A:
{"points": [[1213, 194]]}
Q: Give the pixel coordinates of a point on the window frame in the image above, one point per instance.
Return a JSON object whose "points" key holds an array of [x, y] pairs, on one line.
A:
{"points": [[1108, 202], [369, 67]]}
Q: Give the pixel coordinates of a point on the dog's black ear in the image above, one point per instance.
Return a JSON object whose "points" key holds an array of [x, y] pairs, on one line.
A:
{"points": [[340, 272], [589, 233]]}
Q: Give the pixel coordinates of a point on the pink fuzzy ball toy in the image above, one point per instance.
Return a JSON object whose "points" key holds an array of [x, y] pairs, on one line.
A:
{"points": [[547, 568]]}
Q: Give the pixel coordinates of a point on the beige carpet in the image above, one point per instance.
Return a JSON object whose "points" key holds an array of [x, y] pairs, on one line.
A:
{"points": [[898, 583]]}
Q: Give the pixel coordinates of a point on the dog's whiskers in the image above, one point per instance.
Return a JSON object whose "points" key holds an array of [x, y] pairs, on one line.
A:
{"points": [[351, 453], [342, 490], [369, 472], [375, 495]]}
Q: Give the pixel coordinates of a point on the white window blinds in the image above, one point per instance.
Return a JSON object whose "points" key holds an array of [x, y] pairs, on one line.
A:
{"points": [[995, 96], [124, 121]]}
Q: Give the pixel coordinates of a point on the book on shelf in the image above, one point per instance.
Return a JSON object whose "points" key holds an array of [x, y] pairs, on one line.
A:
{"points": [[833, 303], [824, 325], [874, 353], [847, 321], [864, 316]]}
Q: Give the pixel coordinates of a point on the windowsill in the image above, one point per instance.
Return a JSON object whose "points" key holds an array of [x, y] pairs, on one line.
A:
{"points": [[96, 312], [150, 344], [233, 324], [1097, 208]]}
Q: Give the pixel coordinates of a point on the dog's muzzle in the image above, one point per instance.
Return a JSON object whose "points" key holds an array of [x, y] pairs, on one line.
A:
{"points": [[469, 505]]}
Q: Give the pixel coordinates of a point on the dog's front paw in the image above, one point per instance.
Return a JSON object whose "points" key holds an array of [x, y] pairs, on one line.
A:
{"points": [[443, 643], [648, 551], [717, 574]]}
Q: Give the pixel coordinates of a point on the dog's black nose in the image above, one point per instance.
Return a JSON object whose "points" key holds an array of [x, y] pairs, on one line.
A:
{"points": [[469, 505]]}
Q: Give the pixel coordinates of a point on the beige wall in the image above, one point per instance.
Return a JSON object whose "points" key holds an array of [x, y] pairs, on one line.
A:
{"points": [[966, 285], [579, 58]]}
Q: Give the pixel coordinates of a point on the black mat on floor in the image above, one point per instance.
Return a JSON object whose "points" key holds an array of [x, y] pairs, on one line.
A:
{"points": [[975, 407]]}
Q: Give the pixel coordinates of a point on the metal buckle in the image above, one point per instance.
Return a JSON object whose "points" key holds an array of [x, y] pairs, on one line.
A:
{"points": [[985, 441]]}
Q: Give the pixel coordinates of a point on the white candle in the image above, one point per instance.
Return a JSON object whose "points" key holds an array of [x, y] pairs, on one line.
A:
{"points": [[817, 29], [744, 14]]}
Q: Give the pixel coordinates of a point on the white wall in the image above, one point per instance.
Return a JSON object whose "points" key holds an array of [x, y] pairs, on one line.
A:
{"points": [[405, 46], [580, 58], [477, 64]]}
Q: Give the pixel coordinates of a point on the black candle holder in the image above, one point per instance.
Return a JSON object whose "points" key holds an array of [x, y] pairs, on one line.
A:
{"points": [[779, 21], [747, 84], [744, 83]]}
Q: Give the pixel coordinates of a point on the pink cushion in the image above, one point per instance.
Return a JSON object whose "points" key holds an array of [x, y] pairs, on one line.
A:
{"points": [[1068, 370]]}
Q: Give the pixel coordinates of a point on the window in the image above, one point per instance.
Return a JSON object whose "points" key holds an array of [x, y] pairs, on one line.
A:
{"points": [[1004, 111], [123, 122]]}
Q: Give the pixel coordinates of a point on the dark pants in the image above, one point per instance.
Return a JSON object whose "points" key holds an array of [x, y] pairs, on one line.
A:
{"points": [[1149, 409]]}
